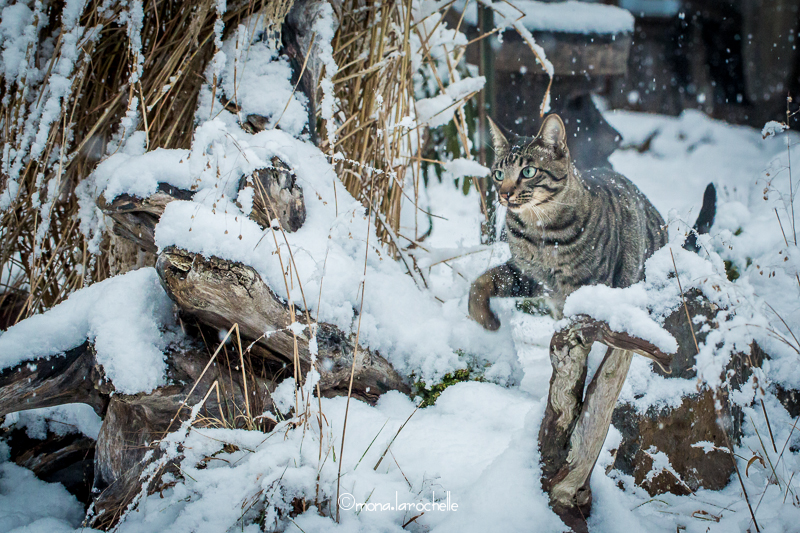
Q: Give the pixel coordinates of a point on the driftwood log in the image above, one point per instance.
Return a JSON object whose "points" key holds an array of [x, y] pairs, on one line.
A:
{"points": [[575, 425], [222, 293], [72, 378], [131, 423], [210, 294]]}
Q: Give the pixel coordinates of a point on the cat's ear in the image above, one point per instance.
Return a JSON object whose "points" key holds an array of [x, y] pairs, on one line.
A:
{"points": [[553, 133], [499, 140]]}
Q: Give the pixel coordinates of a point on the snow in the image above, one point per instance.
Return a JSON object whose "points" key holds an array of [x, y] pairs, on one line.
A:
{"points": [[690, 151], [137, 173], [476, 447], [460, 168], [330, 247], [14, 42], [123, 316], [324, 28], [772, 128], [256, 64], [477, 444], [707, 446], [559, 17], [60, 420], [29, 505], [284, 395], [625, 311], [439, 110], [19, 35], [660, 464]]}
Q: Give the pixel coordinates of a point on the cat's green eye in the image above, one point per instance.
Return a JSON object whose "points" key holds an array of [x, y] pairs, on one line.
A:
{"points": [[528, 172], [498, 175]]}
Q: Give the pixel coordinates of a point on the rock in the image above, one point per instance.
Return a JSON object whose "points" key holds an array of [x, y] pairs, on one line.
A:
{"points": [[673, 431]]}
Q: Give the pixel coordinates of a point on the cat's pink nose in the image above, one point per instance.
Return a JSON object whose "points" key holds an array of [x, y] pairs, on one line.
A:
{"points": [[505, 195]]}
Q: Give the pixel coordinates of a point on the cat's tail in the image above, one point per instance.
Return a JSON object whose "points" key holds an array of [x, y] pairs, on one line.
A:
{"points": [[704, 220]]}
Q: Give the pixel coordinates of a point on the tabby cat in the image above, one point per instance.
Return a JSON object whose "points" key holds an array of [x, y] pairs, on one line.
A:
{"points": [[565, 230]]}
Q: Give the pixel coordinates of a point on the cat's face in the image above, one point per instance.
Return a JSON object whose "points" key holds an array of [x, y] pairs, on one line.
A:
{"points": [[529, 173]]}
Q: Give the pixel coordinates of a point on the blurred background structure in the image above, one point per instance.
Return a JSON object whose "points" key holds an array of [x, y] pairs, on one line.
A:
{"points": [[736, 60]]}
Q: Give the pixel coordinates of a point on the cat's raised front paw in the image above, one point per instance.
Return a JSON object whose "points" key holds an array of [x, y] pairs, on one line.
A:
{"points": [[481, 313]]}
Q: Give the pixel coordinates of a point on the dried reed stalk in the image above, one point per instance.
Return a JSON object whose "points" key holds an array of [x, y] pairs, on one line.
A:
{"points": [[374, 91], [43, 253]]}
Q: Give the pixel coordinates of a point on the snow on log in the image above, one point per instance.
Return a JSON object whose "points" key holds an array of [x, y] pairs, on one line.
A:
{"points": [[222, 293], [265, 195], [128, 319]]}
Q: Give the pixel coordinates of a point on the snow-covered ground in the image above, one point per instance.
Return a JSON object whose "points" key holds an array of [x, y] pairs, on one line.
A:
{"points": [[475, 450]]}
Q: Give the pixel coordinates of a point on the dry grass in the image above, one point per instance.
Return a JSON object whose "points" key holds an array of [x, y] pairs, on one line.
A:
{"points": [[374, 89], [43, 254], [178, 41]]}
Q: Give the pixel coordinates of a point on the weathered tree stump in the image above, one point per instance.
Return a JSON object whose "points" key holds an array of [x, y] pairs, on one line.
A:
{"points": [[276, 196], [575, 426], [132, 423]]}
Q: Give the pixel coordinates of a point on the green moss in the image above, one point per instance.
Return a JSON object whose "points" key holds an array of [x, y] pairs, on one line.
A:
{"points": [[731, 270], [431, 394], [535, 306]]}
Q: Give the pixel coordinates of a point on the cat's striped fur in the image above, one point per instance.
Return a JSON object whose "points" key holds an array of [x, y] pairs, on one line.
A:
{"points": [[565, 230]]}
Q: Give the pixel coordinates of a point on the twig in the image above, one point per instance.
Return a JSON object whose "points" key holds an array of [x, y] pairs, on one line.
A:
{"points": [[393, 438], [355, 358]]}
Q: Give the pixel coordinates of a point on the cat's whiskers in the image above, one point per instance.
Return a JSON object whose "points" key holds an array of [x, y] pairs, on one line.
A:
{"points": [[539, 215]]}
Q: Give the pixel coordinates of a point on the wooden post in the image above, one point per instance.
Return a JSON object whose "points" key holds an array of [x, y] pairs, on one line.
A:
{"points": [[486, 108]]}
